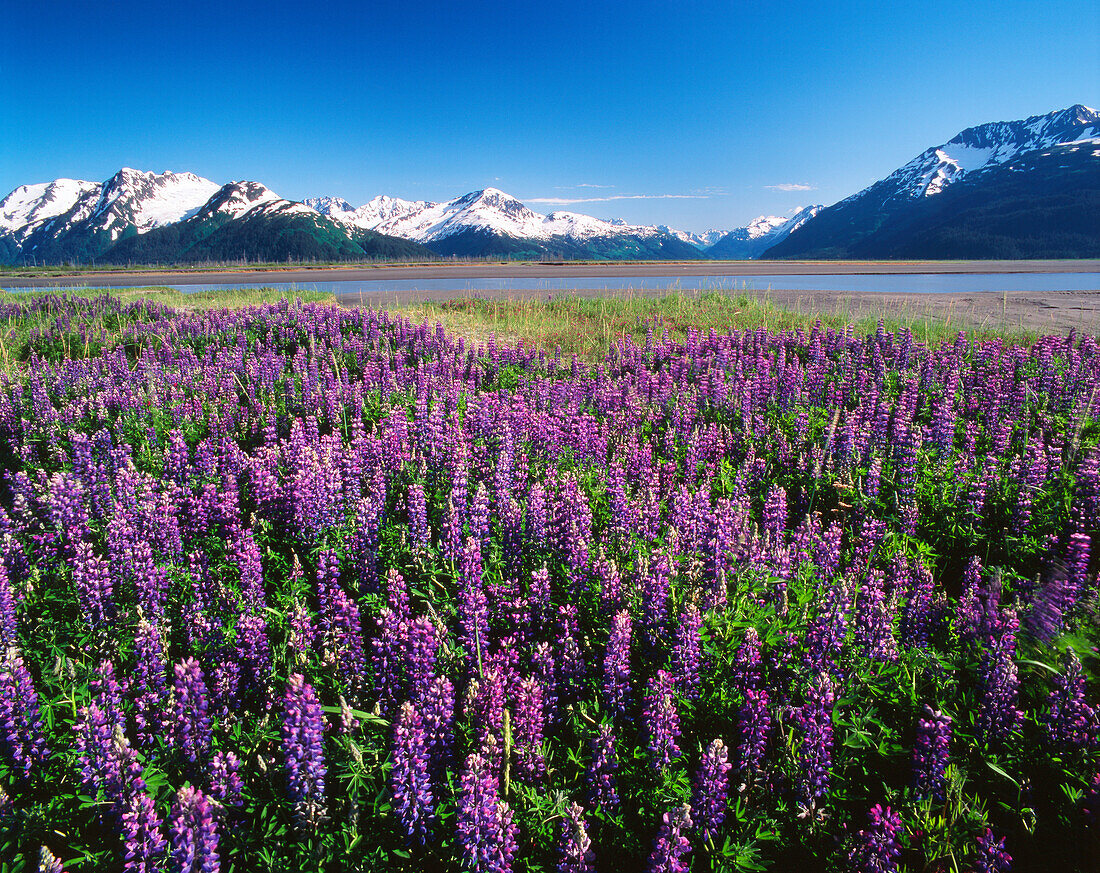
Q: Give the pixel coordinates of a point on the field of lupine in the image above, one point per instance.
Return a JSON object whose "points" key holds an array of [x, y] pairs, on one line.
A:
{"points": [[297, 587]]}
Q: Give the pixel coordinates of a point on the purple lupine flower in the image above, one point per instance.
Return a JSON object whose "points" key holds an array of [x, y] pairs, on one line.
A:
{"points": [[192, 834], [576, 848], [754, 725], [1052, 602], [478, 518], [687, 655], [616, 665], [340, 626], [419, 531], [608, 582], [671, 844], [528, 724], [711, 789], [931, 752], [814, 720], [876, 848], [654, 586], [21, 737], [225, 779], [409, 780], [486, 834], [148, 684], [970, 612], [603, 770], [437, 709], [252, 652], [874, 619], [388, 659], [992, 857], [473, 607], [107, 762], [94, 590], [745, 670], [916, 615], [774, 520], [662, 720], [1078, 551], [8, 623], [142, 837], [421, 653], [998, 704], [190, 722], [486, 703], [1071, 723], [303, 752], [301, 633], [827, 630]]}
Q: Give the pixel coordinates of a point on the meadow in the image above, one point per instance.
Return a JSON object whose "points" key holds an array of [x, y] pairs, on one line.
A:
{"points": [[288, 586]]}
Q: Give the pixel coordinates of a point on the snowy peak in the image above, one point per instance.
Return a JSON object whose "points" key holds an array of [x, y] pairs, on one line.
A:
{"points": [[700, 241], [988, 145], [487, 211], [236, 198], [147, 200], [370, 215], [240, 199], [29, 207], [328, 205], [760, 234]]}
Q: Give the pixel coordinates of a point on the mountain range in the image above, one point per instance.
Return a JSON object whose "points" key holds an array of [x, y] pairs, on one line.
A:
{"points": [[1028, 188], [1016, 189]]}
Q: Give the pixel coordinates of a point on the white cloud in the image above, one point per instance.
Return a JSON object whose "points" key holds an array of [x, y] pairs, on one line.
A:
{"points": [[564, 201], [792, 186]]}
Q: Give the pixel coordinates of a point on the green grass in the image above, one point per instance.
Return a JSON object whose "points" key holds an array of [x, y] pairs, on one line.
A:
{"points": [[585, 326], [580, 325], [223, 299]]}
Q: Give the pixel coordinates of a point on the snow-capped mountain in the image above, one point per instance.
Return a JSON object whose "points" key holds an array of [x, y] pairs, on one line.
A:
{"points": [[69, 218], [986, 145], [701, 241], [489, 210], [760, 234], [135, 217], [240, 199], [31, 207], [1011, 189], [370, 215], [493, 222]]}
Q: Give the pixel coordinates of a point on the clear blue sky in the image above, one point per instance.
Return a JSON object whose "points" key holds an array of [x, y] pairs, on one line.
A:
{"points": [[722, 104]]}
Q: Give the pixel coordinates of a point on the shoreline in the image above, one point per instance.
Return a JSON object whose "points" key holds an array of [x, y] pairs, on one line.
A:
{"points": [[541, 270]]}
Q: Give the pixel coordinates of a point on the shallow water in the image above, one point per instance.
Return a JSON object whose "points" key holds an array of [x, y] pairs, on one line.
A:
{"points": [[963, 283]]}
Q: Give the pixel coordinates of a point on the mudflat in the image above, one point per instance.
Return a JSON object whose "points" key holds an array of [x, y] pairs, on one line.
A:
{"points": [[539, 270]]}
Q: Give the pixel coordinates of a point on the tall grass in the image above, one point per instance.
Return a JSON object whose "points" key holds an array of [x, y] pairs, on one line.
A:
{"points": [[586, 326]]}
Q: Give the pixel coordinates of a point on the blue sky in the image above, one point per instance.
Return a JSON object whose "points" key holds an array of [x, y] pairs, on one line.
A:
{"points": [[694, 114]]}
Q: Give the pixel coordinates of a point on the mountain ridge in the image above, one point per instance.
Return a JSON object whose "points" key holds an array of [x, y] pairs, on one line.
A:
{"points": [[974, 176], [978, 193]]}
